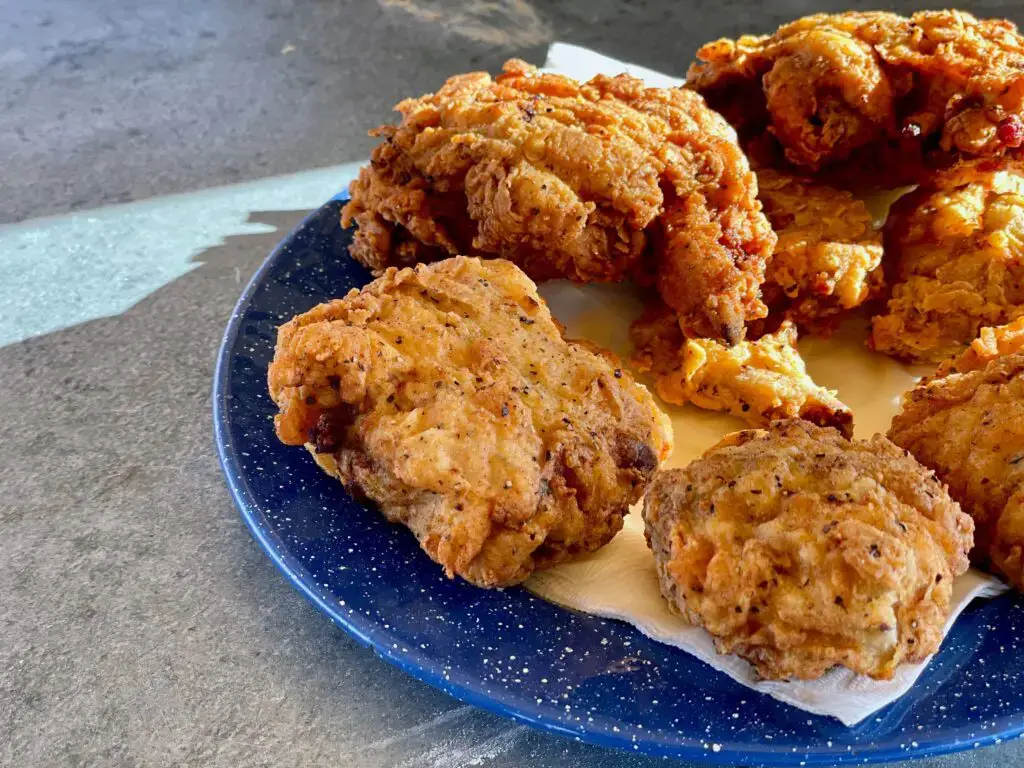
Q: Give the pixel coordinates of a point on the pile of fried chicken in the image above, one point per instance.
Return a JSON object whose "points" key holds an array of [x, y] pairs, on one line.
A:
{"points": [[445, 393]]}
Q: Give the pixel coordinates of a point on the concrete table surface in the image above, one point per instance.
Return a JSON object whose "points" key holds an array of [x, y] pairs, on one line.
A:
{"points": [[139, 623]]}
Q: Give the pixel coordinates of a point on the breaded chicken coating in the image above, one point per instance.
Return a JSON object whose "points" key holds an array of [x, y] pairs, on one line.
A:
{"points": [[991, 343], [446, 395], [956, 252], [595, 181], [800, 550], [758, 381], [969, 428], [828, 257], [874, 90]]}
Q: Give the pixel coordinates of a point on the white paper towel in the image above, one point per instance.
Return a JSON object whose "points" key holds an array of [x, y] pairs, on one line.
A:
{"points": [[619, 581], [583, 63]]}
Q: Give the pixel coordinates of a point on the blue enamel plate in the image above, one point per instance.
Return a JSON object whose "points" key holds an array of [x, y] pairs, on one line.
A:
{"points": [[579, 676]]}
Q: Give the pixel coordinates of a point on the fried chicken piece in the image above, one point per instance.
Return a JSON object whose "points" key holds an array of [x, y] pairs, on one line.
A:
{"points": [[990, 344], [799, 550], [828, 257], [757, 381], [874, 90], [447, 395], [595, 181], [956, 250], [969, 428]]}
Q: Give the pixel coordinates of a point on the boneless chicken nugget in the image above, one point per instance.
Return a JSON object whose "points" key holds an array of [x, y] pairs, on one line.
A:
{"points": [[758, 381], [969, 427], [800, 550], [447, 395]]}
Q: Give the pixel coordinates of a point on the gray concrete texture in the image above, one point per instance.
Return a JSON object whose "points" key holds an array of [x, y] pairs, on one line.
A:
{"points": [[115, 100]]}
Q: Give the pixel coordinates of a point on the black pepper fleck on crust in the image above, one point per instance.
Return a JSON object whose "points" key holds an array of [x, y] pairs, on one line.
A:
{"points": [[754, 520], [440, 434]]}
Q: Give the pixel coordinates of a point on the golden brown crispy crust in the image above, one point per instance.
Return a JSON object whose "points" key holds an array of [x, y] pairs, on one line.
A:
{"points": [[969, 427], [828, 257], [799, 550], [850, 86], [956, 253], [991, 343], [591, 181], [447, 395], [757, 381]]}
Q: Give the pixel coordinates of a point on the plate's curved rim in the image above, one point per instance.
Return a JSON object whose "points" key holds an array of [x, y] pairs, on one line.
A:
{"points": [[423, 668]]}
